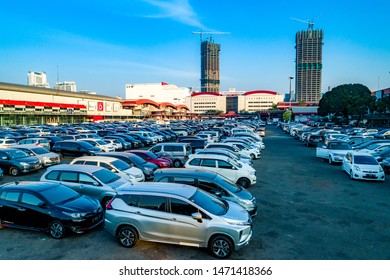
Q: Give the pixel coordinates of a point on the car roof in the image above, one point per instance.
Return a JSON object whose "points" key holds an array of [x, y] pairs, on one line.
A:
{"points": [[212, 156], [358, 153], [190, 172], [181, 190], [35, 186], [96, 158], [76, 167], [28, 146]]}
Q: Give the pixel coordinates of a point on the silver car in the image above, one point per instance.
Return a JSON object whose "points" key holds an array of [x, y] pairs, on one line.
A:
{"points": [[177, 214], [94, 181], [46, 157]]}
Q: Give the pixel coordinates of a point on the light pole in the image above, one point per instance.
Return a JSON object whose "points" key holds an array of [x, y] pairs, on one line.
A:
{"points": [[290, 78]]}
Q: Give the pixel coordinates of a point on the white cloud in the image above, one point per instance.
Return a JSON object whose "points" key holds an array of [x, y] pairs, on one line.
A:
{"points": [[179, 10]]}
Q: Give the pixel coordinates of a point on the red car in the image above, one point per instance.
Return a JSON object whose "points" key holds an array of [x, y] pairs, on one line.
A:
{"points": [[149, 156]]}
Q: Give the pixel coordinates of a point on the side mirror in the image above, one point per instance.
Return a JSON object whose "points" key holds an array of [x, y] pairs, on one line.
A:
{"points": [[42, 205], [113, 170], [197, 216]]}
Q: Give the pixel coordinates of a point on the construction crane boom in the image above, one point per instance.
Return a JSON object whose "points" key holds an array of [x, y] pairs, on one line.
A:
{"points": [[201, 33], [309, 22]]}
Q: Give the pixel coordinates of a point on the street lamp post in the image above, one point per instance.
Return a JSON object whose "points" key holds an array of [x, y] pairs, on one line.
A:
{"points": [[290, 78]]}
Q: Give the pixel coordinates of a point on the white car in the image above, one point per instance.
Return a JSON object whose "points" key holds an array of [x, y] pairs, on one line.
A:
{"points": [[7, 143], [103, 145], [46, 157], [243, 174], [333, 151], [115, 143], [251, 151], [362, 166], [121, 168]]}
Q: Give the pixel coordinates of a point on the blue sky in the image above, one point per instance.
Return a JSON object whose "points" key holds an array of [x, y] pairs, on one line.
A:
{"points": [[104, 45]]}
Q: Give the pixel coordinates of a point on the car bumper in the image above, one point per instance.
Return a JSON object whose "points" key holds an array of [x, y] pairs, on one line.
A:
{"points": [[369, 176], [246, 236]]}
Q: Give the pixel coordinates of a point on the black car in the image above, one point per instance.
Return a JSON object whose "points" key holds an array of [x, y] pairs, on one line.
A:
{"points": [[126, 145], [74, 148], [15, 162], [134, 142], [194, 141], [210, 182], [49, 207], [146, 141], [147, 168]]}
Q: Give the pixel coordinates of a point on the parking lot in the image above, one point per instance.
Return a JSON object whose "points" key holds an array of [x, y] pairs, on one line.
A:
{"points": [[308, 210]]}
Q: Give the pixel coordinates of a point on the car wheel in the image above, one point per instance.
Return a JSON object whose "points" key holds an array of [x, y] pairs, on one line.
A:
{"points": [[177, 163], [127, 236], [330, 160], [252, 156], [220, 247], [14, 171], [56, 230], [243, 182]]}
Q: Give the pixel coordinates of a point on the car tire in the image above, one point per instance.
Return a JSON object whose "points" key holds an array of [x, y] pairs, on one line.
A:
{"points": [[252, 156], [56, 230], [176, 163], [220, 247], [243, 182], [14, 171], [127, 236]]}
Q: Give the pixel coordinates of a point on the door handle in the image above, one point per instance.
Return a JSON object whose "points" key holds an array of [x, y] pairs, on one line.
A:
{"points": [[21, 209], [174, 219]]}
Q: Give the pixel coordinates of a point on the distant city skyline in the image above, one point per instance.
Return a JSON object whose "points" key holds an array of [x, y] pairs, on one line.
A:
{"points": [[102, 46]]}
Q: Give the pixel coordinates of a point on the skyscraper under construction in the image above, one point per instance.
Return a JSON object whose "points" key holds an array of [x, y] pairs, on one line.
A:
{"points": [[209, 74], [308, 68]]}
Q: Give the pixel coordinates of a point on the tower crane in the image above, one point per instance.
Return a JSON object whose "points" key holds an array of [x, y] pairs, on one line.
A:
{"points": [[309, 22], [201, 33]]}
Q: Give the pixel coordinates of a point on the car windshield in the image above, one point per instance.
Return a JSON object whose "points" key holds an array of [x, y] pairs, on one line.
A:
{"points": [[369, 160], [86, 145], [227, 184], [106, 176], [39, 151], [339, 146], [137, 160], [120, 165], [100, 142], [209, 203], [17, 154], [59, 194]]}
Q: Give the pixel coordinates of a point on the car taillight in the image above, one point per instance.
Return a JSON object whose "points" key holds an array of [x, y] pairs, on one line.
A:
{"points": [[108, 205]]}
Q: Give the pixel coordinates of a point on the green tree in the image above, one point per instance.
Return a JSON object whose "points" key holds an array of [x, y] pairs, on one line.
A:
{"points": [[347, 100], [287, 116], [212, 112]]}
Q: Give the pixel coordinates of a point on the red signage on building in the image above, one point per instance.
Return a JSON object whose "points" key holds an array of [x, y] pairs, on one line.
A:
{"points": [[100, 106]]}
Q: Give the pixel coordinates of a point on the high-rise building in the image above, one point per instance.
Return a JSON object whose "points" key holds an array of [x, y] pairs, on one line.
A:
{"points": [[308, 67], [209, 74], [67, 86], [37, 79]]}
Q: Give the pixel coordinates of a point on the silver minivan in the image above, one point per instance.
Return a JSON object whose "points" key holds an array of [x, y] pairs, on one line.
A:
{"points": [[177, 214], [177, 152]]}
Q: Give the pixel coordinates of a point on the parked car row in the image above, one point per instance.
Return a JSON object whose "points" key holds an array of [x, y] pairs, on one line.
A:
{"points": [[205, 204], [361, 154]]}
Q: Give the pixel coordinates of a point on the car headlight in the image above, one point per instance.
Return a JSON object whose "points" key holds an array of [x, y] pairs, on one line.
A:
{"points": [[24, 164], [357, 168], [246, 223], [75, 215], [245, 201]]}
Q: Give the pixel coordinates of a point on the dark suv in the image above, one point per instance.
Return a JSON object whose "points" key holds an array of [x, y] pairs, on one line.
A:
{"points": [[210, 182], [75, 148]]}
